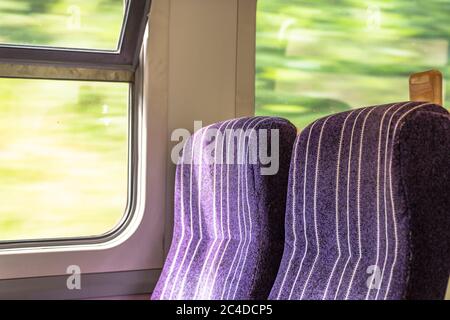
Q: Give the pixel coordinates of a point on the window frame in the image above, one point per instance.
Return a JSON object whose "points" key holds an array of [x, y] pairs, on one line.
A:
{"points": [[126, 55], [88, 65]]}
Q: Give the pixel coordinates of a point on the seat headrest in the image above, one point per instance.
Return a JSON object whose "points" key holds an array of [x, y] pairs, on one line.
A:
{"points": [[230, 194], [368, 206]]}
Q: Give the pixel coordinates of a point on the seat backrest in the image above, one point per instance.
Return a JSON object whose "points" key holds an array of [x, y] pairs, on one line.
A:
{"points": [[368, 206], [229, 212]]}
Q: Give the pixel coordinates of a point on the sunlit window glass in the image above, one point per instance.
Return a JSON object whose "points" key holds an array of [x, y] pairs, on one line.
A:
{"points": [[84, 24], [316, 57], [63, 158]]}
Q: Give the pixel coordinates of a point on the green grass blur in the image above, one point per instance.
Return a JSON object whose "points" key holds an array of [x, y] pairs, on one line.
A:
{"points": [[86, 24], [63, 144], [316, 57], [63, 158]]}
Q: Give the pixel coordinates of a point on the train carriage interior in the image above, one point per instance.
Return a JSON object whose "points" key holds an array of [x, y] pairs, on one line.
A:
{"points": [[224, 150]]}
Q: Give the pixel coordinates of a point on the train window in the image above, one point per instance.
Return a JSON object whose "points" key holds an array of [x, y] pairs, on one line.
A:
{"points": [[69, 112], [84, 24], [319, 57], [63, 158]]}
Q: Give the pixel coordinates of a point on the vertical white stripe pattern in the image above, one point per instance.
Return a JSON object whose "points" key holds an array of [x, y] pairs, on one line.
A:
{"points": [[304, 213], [231, 250], [348, 205], [352, 280], [199, 209], [358, 201], [238, 153], [316, 176], [249, 216], [239, 198], [378, 185], [294, 224], [222, 239], [200, 278], [385, 194], [297, 142], [238, 212], [240, 245], [175, 282], [338, 168], [228, 201]]}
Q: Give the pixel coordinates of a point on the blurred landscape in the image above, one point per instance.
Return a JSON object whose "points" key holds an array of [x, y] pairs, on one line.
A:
{"points": [[82, 24], [63, 144], [316, 57]]}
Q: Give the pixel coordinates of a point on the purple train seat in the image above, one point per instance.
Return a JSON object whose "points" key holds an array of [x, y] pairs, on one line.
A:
{"points": [[368, 207], [229, 211]]}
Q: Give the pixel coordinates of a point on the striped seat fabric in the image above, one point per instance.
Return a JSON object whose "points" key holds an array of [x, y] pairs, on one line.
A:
{"points": [[368, 206], [229, 213]]}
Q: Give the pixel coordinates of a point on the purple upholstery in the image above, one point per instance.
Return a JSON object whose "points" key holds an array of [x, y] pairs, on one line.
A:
{"points": [[229, 218], [368, 206]]}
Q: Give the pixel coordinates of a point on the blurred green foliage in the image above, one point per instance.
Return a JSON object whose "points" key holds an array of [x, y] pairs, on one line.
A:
{"points": [[316, 57], [63, 144], [63, 158], [87, 24]]}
